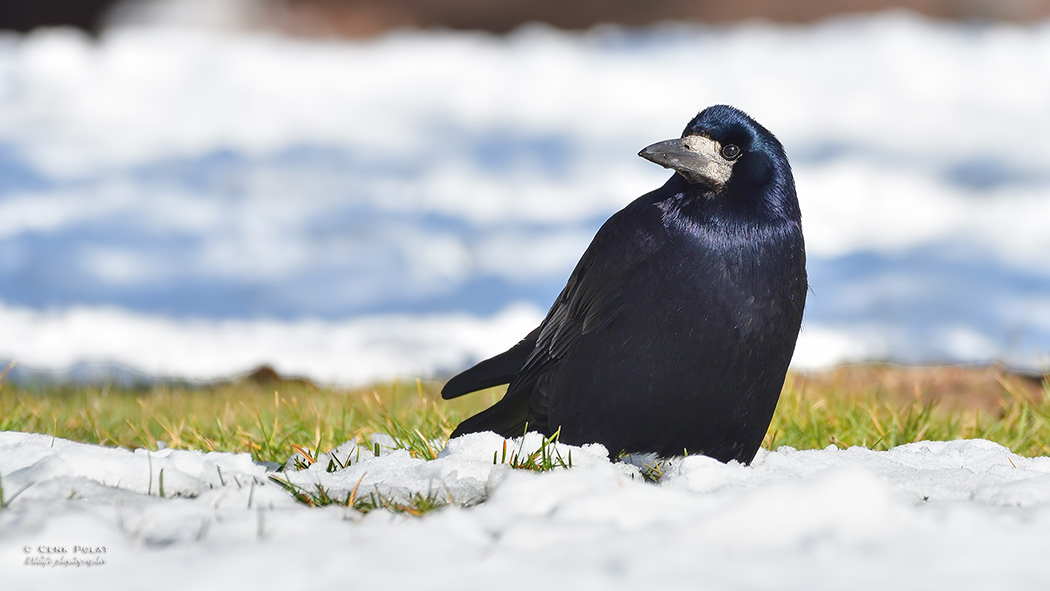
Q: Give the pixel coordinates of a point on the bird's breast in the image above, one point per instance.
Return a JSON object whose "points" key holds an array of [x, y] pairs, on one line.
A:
{"points": [[729, 288]]}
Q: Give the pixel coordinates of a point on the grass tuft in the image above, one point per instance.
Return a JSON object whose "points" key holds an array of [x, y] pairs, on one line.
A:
{"points": [[544, 459], [417, 505]]}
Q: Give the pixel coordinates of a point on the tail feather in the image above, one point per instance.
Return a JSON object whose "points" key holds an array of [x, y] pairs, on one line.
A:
{"points": [[500, 369], [506, 418]]}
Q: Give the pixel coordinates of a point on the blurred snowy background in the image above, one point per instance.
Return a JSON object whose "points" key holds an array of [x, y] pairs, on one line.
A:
{"points": [[196, 191]]}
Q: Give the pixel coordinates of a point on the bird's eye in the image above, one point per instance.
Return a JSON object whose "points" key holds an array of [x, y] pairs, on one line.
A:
{"points": [[730, 152]]}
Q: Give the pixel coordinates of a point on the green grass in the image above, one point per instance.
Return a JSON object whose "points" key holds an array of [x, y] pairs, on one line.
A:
{"points": [[545, 458], [418, 504], [265, 421], [273, 422], [876, 419]]}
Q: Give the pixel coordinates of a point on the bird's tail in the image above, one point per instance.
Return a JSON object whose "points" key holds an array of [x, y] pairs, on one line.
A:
{"points": [[500, 369], [506, 418]]}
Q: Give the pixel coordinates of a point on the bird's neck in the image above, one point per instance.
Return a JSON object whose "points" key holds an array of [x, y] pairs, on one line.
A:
{"points": [[731, 207]]}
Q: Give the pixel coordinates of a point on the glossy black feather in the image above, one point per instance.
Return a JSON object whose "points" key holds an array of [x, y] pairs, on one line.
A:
{"points": [[675, 330], [500, 369]]}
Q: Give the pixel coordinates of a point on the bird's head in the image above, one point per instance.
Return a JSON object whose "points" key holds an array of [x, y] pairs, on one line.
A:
{"points": [[722, 146]]}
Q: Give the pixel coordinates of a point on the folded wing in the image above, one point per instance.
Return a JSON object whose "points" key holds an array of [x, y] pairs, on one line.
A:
{"points": [[590, 301]]}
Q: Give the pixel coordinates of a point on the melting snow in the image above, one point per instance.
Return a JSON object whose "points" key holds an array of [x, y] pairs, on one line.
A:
{"points": [[959, 514]]}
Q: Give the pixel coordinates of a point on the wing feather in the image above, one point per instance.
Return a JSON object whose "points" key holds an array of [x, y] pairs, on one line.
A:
{"points": [[500, 369], [592, 299]]}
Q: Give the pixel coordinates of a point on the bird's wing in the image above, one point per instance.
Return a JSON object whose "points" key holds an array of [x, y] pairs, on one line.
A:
{"points": [[592, 298], [500, 369]]}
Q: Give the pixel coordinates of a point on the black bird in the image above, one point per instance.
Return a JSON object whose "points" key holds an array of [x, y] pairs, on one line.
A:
{"points": [[674, 332]]}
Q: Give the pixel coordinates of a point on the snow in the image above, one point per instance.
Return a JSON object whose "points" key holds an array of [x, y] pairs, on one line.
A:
{"points": [[358, 350], [961, 514], [193, 203], [212, 185]]}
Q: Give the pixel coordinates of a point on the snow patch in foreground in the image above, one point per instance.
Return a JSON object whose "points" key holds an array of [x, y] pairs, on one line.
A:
{"points": [[965, 514]]}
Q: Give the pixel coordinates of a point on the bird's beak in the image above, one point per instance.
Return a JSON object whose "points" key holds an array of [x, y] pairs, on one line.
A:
{"points": [[696, 165]]}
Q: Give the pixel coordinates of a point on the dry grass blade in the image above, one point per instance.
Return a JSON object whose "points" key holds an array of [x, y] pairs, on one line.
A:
{"points": [[10, 366], [353, 494]]}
